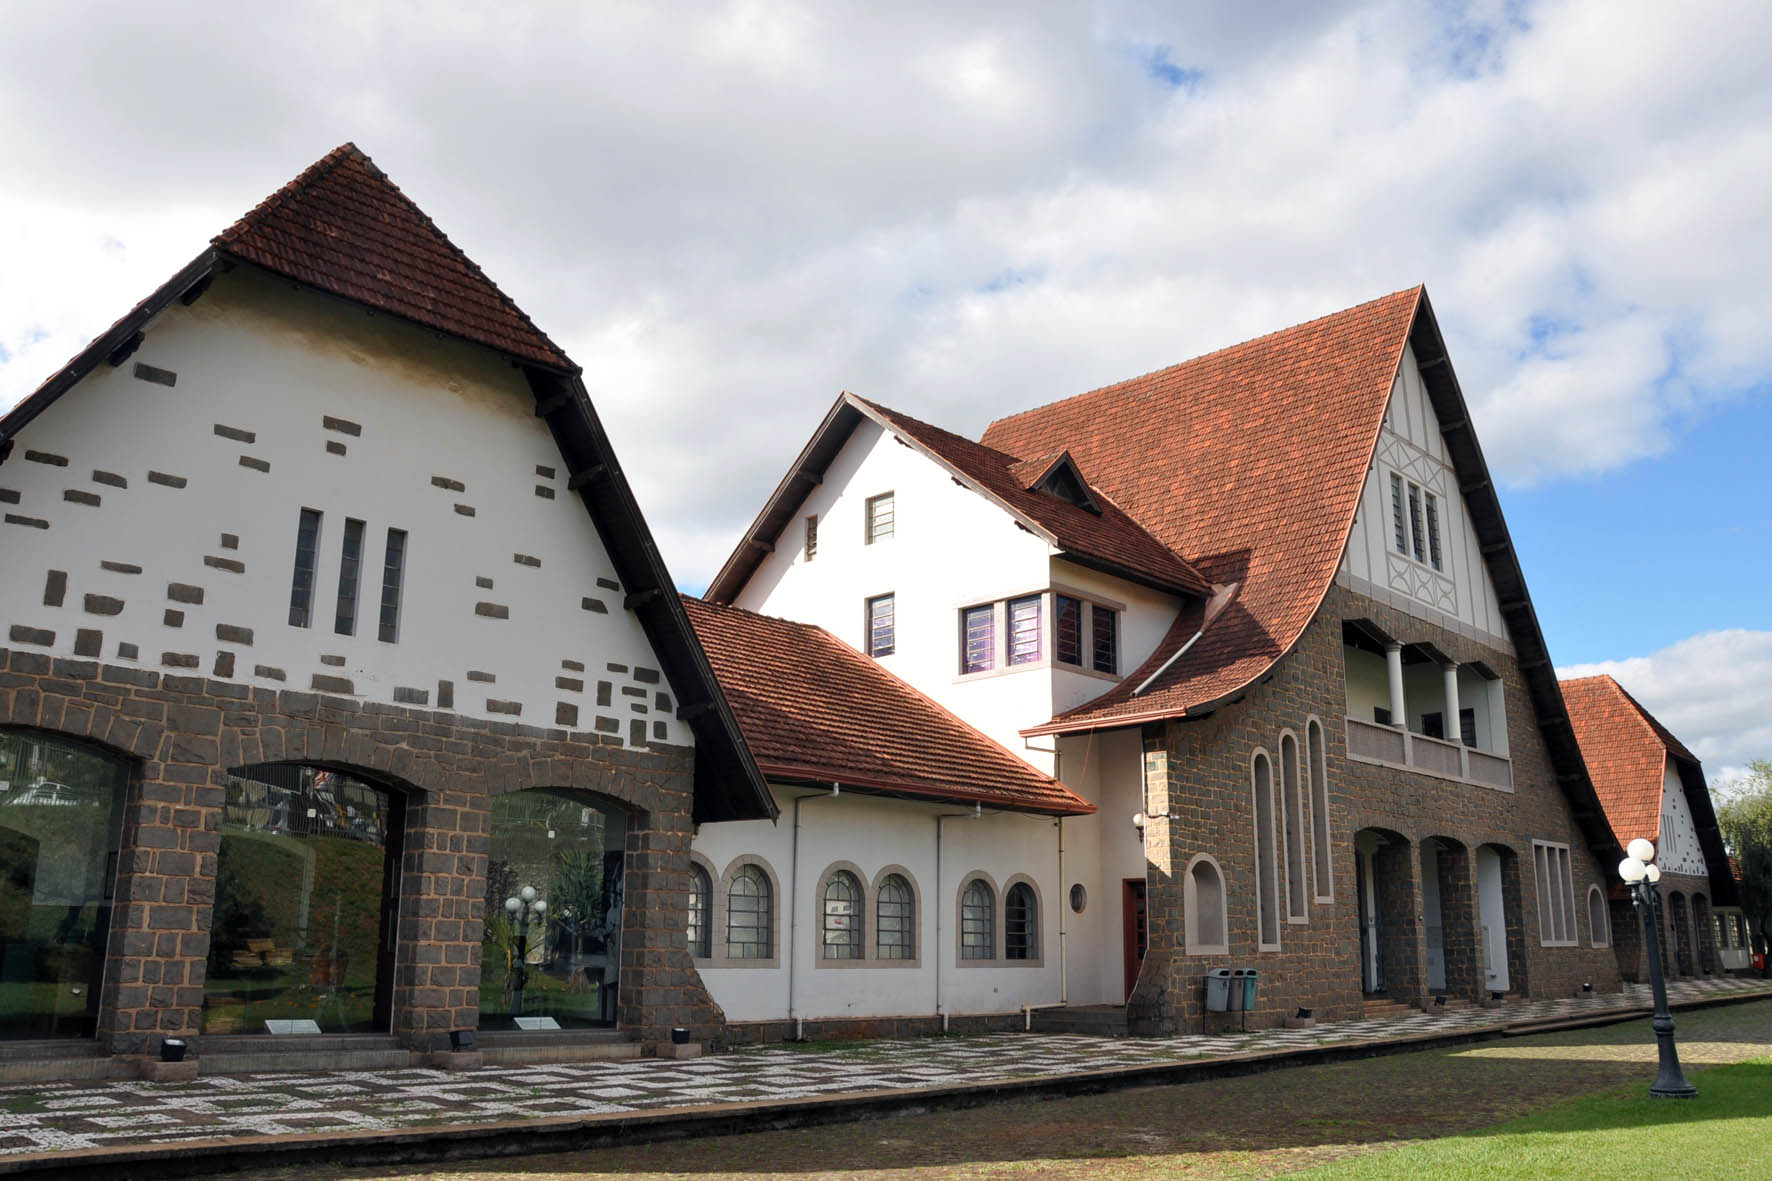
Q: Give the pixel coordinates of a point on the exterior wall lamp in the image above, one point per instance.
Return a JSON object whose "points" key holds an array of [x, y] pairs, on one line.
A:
{"points": [[1641, 874]]}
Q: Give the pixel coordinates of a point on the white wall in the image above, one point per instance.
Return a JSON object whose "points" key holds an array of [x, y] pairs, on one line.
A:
{"points": [[1145, 618], [1101, 851], [1678, 851], [873, 833], [1410, 444], [254, 356]]}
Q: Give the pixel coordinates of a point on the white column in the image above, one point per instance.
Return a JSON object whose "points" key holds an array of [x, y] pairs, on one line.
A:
{"points": [[1452, 730], [1393, 659]]}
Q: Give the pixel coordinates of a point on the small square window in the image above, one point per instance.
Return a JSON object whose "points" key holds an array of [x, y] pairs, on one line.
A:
{"points": [[882, 626], [880, 517]]}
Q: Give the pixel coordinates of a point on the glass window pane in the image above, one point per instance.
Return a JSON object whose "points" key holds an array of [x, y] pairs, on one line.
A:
{"points": [[978, 928], [301, 915], [1021, 929], [748, 926], [1024, 630], [559, 960], [882, 626], [1067, 625], [1105, 640], [893, 924], [978, 632], [842, 917], [61, 808]]}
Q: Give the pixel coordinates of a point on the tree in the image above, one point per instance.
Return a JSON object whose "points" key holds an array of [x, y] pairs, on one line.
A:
{"points": [[1744, 813]]}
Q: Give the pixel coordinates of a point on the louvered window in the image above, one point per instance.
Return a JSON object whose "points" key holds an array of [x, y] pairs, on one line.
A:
{"points": [[1398, 522], [1433, 530], [978, 635], [811, 536], [882, 626], [1415, 529], [1024, 630], [880, 517]]}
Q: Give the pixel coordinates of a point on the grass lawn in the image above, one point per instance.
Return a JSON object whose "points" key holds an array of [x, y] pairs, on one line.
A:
{"points": [[1725, 1132]]}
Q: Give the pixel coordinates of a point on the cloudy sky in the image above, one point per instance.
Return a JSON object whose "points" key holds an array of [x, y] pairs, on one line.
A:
{"points": [[728, 213]]}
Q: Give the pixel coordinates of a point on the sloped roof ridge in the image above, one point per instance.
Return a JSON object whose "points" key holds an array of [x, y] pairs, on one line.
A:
{"points": [[255, 217], [1113, 386], [1646, 719]]}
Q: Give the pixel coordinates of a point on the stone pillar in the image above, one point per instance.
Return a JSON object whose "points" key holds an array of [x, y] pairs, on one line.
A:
{"points": [[1461, 924], [1402, 930], [1393, 660], [1453, 733], [442, 916]]}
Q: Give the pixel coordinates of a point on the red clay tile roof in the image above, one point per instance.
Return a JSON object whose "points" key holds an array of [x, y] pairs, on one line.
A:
{"points": [[1626, 752], [813, 709], [343, 227], [1111, 538], [1250, 461]]}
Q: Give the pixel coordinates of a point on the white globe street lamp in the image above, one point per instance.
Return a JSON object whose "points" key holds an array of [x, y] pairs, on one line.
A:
{"points": [[1640, 873], [537, 910]]}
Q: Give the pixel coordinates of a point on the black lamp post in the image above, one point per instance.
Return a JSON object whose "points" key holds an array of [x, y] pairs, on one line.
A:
{"points": [[1640, 875], [521, 906]]}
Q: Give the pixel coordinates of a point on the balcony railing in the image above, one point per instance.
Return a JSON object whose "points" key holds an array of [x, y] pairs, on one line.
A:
{"points": [[1370, 742]]}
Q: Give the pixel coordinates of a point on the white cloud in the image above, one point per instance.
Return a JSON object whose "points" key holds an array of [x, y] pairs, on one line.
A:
{"points": [[729, 213], [1714, 691]]}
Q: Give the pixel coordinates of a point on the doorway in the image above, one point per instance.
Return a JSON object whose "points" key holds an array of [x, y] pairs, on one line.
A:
{"points": [[1136, 934], [1371, 946], [1492, 915]]}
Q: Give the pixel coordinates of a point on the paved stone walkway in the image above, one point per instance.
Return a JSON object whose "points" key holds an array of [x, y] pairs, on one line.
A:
{"points": [[50, 1117]]}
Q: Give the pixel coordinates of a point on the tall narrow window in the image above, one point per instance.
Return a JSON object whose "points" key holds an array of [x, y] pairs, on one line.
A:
{"points": [[1067, 629], [1556, 893], [1024, 630], [301, 583], [978, 921], [895, 937], [1292, 800], [1319, 780], [882, 626], [978, 638], [701, 904], [811, 536], [350, 561], [1433, 529], [393, 573], [1266, 872], [1104, 626], [880, 517], [842, 917], [749, 925], [1415, 529], [1021, 923], [1398, 521]]}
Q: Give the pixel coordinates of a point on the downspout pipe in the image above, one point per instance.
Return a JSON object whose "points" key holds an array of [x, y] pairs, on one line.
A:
{"points": [[794, 913], [1222, 597]]}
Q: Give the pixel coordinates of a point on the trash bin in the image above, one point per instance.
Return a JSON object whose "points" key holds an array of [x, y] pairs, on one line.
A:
{"points": [[1236, 989], [1218, 990], [1248, 983]]}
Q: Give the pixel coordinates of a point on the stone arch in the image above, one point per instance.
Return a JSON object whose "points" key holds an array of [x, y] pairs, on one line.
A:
{"points": [[1391, 939], [1500, 898], [1205, 907], [1449, 907]]}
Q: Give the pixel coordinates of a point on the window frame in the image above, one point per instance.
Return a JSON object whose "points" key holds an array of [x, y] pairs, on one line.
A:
{"points": [[1059, 601], [809, 544], [350, 577], [989, 954], [1552, 868], [870, 643], [878, 526], [1266, 874], [912, 920], [302, 578], [1416, 515], [1035, 954], [850, 878], [1601, 937], [1291, 829], [701, 874], [1097, 613], [393, 586], [723, 918], [990, 659], [1192, 937], [1012, 659], [1317, 779]]}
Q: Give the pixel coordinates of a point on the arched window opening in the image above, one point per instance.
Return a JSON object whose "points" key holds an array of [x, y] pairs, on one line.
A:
{"points": [[1021, 923], [701, 908], [301, 939], [1319, 785], [1266, 885], [1292, 803], [1598, 930], [978, 921], [61, 819], [749, 910], [842, 917], [1206, 923], [894, 924]]}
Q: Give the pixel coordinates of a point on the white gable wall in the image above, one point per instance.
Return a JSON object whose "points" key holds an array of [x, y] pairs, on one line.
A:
{"points": [[1677, 851], [1460, 595], [951, 548], [256, 357]]}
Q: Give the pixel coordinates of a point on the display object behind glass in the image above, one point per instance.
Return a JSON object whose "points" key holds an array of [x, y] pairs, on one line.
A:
{"points": [[305, 905], [60, 819], [552, 960]]}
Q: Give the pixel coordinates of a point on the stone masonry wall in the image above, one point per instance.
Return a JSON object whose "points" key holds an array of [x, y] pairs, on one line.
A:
{"points": [[1200, 772], [183, 734]]}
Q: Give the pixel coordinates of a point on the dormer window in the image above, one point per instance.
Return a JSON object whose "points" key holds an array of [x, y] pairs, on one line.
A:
{"points": [[1059, 479]]}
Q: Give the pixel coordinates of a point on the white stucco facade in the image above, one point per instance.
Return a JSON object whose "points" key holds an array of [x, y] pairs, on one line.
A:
{"points": [[171, 510], [1677, 850], [1459, 594]]}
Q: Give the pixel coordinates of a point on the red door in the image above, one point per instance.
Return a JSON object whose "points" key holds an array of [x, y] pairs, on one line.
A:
{"points": [[1136, 934]]}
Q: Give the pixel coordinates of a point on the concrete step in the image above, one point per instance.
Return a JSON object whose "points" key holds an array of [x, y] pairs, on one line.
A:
{"points": [[1089, 1020], [59, 1060], [524, 1048], [266, 1054], [1385, 1008]]}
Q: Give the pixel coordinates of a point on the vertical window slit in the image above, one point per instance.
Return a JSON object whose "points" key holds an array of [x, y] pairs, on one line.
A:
{"points": [[301, 583], [349, 560]]}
